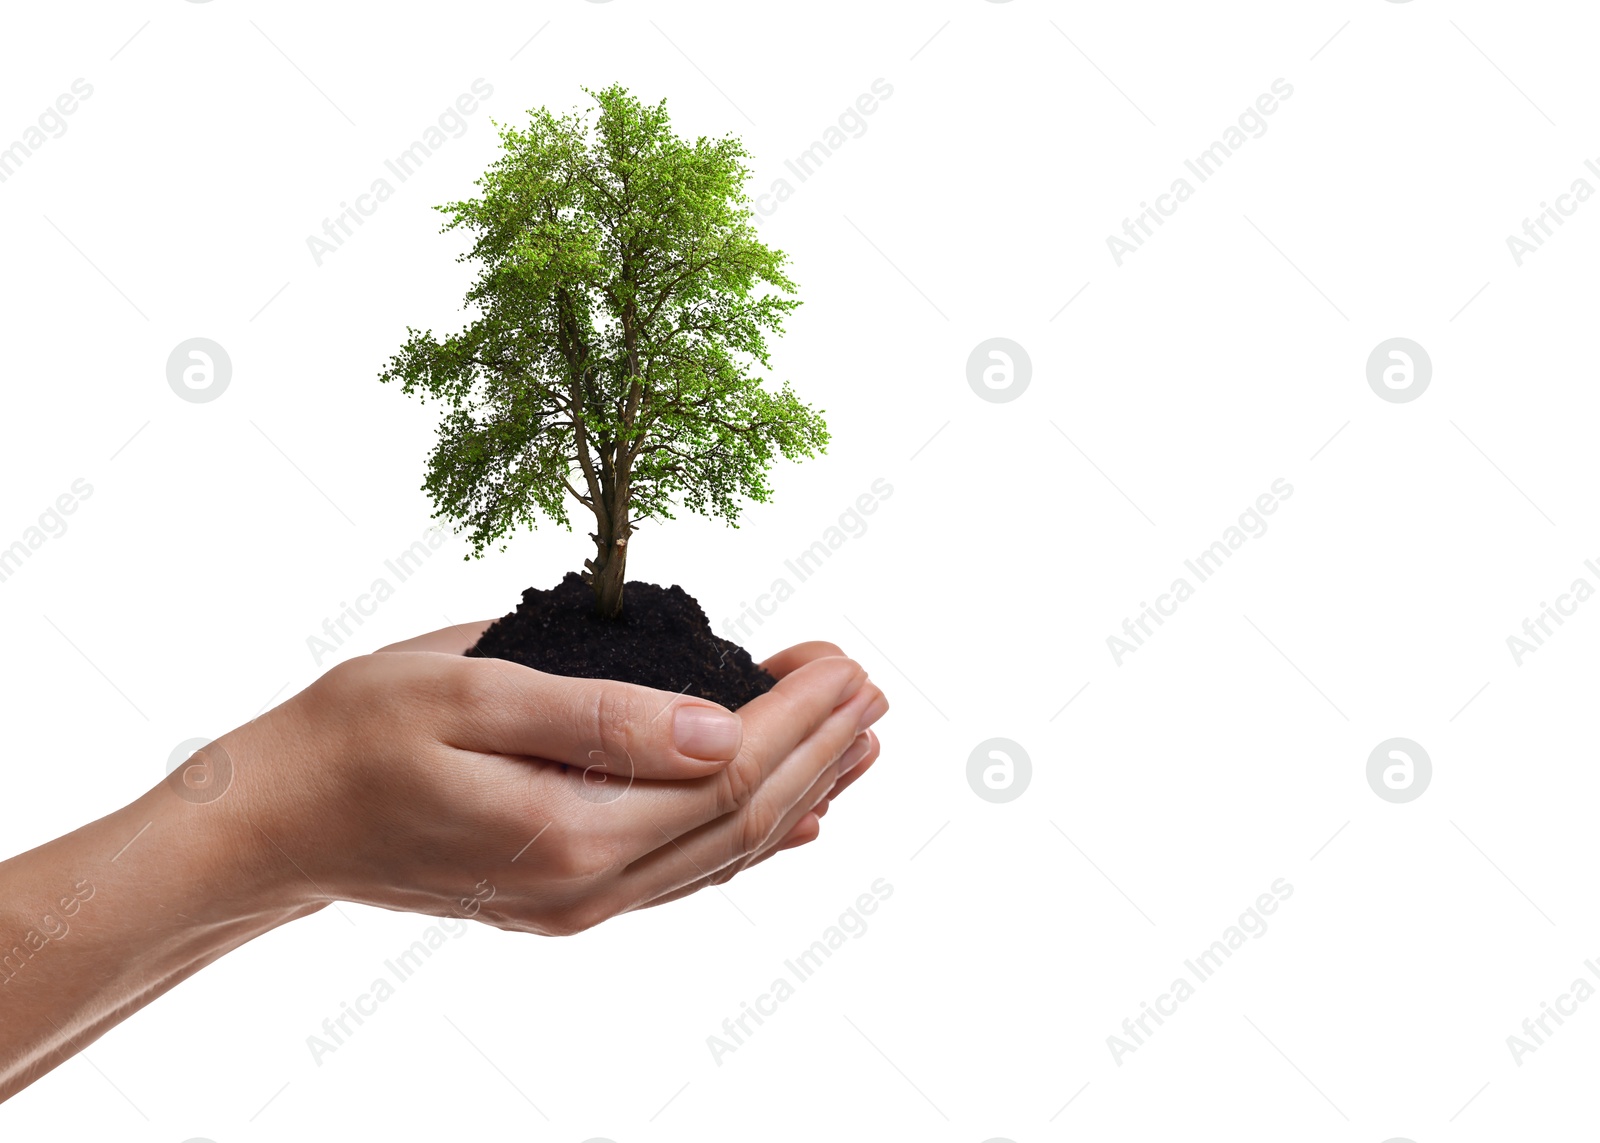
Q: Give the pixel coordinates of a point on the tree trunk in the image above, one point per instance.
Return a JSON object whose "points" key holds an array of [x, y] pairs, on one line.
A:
{"points": [[607, 579], [608, 569]]}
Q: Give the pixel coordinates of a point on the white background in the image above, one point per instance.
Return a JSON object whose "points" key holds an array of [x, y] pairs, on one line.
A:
{"points": [[1174, 789]]}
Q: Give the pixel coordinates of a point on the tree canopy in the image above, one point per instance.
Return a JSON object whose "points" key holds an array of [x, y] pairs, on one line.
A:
{"points": [[624, 303]]}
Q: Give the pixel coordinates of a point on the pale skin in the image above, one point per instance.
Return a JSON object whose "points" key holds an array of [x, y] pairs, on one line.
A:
{"points": [[419, 780]]}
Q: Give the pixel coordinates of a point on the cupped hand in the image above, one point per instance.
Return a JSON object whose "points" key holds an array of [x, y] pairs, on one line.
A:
{"points": [[422, 780]]}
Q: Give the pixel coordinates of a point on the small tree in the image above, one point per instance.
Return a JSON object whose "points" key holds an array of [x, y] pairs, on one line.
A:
{"points": [[625, 301]]}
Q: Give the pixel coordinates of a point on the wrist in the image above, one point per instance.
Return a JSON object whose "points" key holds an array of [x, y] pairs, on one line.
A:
{"points": [[216, 817]]}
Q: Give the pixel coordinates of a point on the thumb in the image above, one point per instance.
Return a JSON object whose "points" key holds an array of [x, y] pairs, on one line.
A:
{"points": [[618, 728]]}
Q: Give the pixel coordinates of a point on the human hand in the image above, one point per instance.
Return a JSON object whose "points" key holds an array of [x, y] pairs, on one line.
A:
{"points": [[866, 747], [407, 778], [455, 640], [418, 779]]}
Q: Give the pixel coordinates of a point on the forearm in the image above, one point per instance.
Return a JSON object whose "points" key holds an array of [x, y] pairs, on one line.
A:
{"points": [[96, 924], [399, 780]]}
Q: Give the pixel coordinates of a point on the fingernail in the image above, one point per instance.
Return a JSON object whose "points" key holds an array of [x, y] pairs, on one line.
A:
{"points": [[855, 753], [879, 707], [707, 733]]}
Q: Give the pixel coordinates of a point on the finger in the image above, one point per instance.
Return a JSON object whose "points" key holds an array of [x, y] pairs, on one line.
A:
{"points": [[798, 656], [805, 831], [802, 808], [809, 829], [848, 779], [845, 779], [452, 640], [816, 797], [497, 707], [775, 724], [804, 778], [856, 756]]}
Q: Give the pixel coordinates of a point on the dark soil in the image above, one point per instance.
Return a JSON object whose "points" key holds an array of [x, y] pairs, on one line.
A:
{"points": [[662, 640]]}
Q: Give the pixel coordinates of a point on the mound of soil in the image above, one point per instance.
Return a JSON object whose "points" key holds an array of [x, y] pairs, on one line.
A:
{"points": [[662, 640]]}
